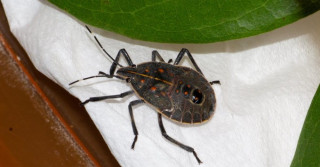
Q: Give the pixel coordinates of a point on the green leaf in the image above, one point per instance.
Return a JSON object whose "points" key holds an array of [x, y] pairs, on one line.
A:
{"points": [[188, 21], [308, 149]]}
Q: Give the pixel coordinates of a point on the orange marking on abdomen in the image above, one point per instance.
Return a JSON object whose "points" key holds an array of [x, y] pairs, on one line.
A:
{"points": [[153, 88], [160, 70]]}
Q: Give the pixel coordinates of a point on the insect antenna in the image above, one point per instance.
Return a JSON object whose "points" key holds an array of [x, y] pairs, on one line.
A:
{"points": [[101, 74], [102, 47]]}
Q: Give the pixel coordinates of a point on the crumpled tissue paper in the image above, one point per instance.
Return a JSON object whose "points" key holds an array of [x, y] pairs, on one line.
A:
{"points": [[267, 84]]}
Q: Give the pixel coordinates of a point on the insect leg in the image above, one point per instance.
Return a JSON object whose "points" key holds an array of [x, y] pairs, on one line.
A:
{"points": [[156, 54], [135, 131], [215, 82], [185, 147], [181, 54], [92, 99], [122, 52]]}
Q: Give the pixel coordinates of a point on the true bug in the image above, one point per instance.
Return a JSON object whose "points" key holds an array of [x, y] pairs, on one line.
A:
{"points": [[176, 92]]}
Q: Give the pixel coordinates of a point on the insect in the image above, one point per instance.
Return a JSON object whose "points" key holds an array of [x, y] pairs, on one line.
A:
{"points": [[179, 93]]}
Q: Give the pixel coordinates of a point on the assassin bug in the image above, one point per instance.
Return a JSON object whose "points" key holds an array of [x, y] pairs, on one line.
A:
{"points": [[179, 93]]}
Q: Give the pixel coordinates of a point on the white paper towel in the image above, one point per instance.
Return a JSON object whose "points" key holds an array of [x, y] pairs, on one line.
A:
{"points": [[267, 84]]}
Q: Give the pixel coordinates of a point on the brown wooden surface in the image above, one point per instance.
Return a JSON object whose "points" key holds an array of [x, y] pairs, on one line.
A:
{"points": [[31, 134]]}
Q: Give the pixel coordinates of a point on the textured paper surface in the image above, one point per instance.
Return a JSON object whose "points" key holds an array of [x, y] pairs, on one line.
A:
{"points": [[267, 84]]}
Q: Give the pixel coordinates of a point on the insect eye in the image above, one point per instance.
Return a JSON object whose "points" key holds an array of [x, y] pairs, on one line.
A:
{"points": [[128, 80], [197, 96]]}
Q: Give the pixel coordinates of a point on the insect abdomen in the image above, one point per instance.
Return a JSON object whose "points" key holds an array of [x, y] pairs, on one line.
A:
{"points": [[179, 93], [193, 99]]}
